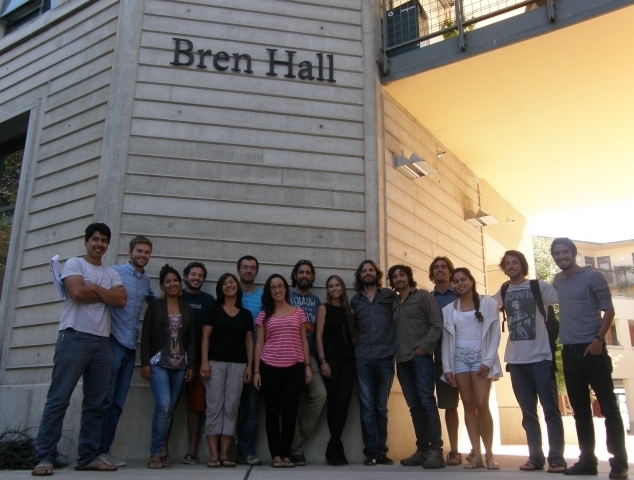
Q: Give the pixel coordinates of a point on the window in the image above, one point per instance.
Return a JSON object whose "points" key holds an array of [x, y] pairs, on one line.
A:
{"points": [[611, 338], [589, 261], [12, 142], [603, 264], [16, 13]]}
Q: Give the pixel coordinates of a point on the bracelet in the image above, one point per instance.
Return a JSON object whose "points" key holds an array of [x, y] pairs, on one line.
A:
{"points": [[323, 361]]}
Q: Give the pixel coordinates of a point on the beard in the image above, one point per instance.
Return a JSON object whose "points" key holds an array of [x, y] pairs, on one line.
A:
{"points": [[369, 282], [303, 283]]}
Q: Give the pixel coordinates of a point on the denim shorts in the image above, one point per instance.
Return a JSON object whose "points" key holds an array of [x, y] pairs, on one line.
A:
{"points": [[465, 367]]}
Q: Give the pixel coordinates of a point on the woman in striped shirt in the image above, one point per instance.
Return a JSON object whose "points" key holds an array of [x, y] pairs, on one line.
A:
{"points": [[282, 365]]}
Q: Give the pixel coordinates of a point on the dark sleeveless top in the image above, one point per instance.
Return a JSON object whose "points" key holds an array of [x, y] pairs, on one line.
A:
{"points": [[337, 338]]}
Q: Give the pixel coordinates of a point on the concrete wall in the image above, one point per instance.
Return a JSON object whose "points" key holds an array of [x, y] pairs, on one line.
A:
{"points": [[62, 76], [425, 218], [209, 164]]}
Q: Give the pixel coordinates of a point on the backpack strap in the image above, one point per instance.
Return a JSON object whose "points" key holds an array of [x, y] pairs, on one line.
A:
{"points": [[537, 295], [503, 289]]}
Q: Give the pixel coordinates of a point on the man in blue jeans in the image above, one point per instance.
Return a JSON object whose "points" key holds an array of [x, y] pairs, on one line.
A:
{"points": [[248, 267], [530, 362], [374, 350], [82, 350], [587, 312], [418, 327], [124, 336]]}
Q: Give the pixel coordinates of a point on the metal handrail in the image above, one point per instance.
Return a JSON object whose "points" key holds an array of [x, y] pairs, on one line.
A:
{"points": [[460, 26]]}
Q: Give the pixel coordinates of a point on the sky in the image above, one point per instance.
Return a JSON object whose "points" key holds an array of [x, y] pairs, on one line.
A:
{"points": [[601, 224]]}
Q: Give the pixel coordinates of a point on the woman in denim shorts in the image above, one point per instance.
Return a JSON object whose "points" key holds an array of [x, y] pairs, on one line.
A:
{"points": [[470, 341]]}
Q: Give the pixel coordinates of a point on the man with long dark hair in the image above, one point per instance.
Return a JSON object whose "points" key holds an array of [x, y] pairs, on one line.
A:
{"points": [[374, 351], [418, 327]]}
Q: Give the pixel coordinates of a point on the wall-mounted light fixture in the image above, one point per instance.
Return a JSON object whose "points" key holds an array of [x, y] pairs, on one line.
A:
{"points": [[414, 166], [479, 218]]}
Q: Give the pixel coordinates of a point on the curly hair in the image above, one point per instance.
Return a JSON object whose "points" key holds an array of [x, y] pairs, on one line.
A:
{"points": [[519, 255], [449, 263], [268, 304], [408, 271]]}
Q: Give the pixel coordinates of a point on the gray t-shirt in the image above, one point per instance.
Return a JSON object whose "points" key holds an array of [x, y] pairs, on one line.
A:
{"points": [[528, 337], [93, 318], [582, 296]]}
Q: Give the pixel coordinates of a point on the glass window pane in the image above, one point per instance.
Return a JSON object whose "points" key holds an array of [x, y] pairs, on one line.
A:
{"points": [[11, 5]]}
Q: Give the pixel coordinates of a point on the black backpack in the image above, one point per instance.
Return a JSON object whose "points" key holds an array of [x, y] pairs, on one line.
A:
{"points": [[552, 324]]}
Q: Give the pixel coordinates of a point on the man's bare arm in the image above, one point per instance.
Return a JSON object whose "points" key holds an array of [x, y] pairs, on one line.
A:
{"points": [[115, 296], [92, 293], [79, 292]]}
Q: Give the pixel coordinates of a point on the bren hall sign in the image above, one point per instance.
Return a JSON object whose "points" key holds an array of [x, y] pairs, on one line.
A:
{"points": [[185, 55]]}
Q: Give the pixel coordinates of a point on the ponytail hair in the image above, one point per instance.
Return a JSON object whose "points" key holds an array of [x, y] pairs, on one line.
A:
{"points": [[476, 298]]}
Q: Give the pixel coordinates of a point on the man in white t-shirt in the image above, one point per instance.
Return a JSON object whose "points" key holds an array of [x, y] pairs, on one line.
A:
{"points": [[530, 362], [83, 350]]}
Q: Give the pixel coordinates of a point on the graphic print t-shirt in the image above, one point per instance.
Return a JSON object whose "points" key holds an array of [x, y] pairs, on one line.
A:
{"points": [[309, 304], [528, 337]]}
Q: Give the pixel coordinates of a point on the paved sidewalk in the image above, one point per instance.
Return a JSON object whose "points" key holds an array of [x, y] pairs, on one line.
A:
{"points": [[509, 471]]}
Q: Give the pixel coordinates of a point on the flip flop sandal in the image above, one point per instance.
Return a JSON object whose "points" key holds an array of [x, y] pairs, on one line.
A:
{"points": [[214, 464], [189, 459], [556, 469], [492, 465], [44, 469], [454, 458], [96, 466], [167, 463], [287, 463], [278, 464], [474, 463], [530, 467], [155, 465], [225, 462]]}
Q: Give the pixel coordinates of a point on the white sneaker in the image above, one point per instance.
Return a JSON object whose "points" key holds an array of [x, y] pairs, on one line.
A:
{"points": [[112, 460]]}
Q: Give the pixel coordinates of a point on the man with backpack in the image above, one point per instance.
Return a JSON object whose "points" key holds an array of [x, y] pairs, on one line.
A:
{"points": [[530, 358]]}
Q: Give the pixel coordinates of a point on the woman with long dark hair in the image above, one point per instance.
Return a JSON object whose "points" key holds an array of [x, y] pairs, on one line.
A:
{"points": [[470, 341], [282, 366], [168, 352], [227, 353], [334, 337]]}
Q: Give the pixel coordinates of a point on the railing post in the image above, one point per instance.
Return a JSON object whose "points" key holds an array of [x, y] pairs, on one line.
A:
{"points": [[459, 19], [551, 10], [385, 68]]}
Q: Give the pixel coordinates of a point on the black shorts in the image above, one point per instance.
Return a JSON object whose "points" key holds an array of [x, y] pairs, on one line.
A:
{"points": [[446, 395]]}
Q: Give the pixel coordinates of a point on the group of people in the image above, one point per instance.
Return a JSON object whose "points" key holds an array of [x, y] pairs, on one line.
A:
{"points": [[282, 342]]}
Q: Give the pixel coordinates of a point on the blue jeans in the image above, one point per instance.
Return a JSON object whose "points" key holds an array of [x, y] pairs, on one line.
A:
{"points": [[77, 355], [594, 371], [248, 429], [374, 382], [166, 386], [417, 381], [531, 381], [120, 378]]}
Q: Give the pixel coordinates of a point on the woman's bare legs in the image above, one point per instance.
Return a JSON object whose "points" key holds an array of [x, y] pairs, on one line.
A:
{"points": [[467, 395]]}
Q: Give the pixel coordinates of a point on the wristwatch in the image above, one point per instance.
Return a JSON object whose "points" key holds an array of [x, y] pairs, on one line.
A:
{"points": [[598, 337]]}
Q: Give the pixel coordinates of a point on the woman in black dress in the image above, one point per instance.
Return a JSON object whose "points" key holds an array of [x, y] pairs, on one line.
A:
{"points": [[335, 335]]}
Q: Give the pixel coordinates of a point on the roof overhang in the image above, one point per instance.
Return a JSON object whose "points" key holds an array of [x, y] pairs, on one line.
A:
{"points": [[548, 121]]}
